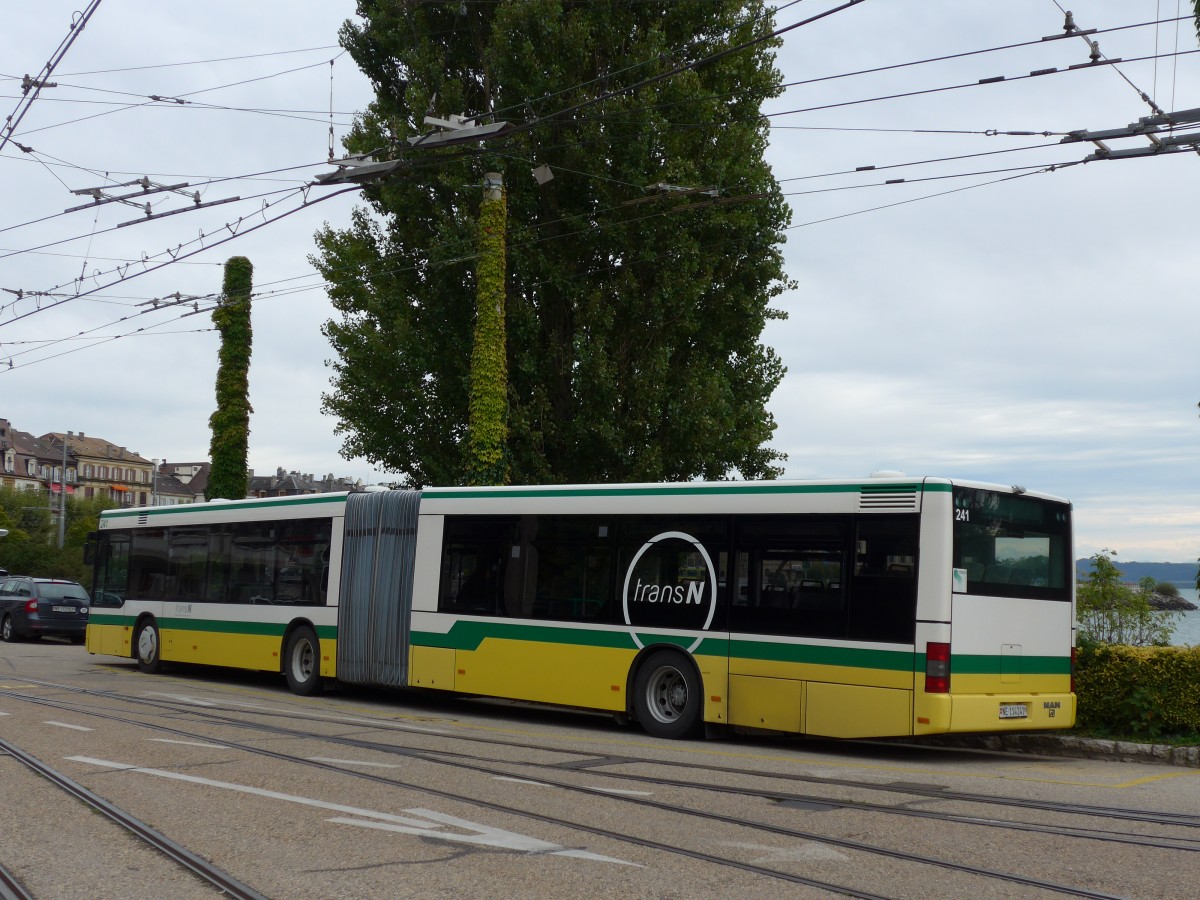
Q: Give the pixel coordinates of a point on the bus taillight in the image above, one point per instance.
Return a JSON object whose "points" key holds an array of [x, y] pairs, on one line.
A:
{"points": [[937, 668]]}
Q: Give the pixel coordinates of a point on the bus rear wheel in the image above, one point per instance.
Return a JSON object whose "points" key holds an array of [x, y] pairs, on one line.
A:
{"points": [[667, 695], [302, 662]]}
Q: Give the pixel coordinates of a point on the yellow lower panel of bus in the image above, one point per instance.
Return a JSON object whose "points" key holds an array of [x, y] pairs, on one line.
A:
{"points": [[110, 640], [773, 703], [1025, 684], [1011, 712], [432, 667], [568, 675], [239, 651], [853, 711]]}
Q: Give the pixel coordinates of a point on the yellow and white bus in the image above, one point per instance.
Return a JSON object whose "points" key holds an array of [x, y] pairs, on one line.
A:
{"points": [[882, 607]]}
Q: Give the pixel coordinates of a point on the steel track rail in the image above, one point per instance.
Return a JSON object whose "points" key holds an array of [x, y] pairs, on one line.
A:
{"points": [[11, 888], [200, 867], [618, 836], [1185, 820]]}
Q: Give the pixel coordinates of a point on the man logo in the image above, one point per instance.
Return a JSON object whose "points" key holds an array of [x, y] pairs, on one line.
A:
{"points": [[661, 591]]}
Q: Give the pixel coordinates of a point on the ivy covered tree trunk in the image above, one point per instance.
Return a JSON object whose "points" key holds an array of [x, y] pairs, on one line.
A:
{"points": [[487, 426], [633, 310], [231, 422]]}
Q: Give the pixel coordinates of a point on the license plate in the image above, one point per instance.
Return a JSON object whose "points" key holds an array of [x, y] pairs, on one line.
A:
{"points": [[66, 609], [1014, 711]]}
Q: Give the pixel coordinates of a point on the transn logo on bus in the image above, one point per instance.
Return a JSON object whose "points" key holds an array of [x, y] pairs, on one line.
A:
{"points": [[671, 583]]}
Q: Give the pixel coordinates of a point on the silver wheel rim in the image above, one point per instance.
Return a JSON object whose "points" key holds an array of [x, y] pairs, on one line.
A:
{"points": [[147, 645], [666, 694], [7, 628], [303, 659]]}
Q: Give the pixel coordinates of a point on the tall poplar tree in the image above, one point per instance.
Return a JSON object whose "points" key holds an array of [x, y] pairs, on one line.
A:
{"points": [[230, 422], [633, 309]]}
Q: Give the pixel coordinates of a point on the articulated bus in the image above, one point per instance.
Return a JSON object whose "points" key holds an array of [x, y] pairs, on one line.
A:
{"points": [[888, 606]]}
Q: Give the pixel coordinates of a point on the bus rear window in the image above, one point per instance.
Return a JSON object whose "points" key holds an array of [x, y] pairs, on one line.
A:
{"points": [[1011, 545]]}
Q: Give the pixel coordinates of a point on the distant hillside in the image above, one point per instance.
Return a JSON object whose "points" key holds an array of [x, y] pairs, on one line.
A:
{"points": [[1180, 574]]}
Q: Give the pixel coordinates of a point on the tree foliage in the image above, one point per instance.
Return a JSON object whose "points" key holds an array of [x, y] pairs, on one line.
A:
{"points": [[1111, 612], [230, 422], [30, 548], [487, 424], [633, 316]]}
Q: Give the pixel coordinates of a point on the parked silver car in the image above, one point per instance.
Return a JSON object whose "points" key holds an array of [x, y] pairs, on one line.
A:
{"points": [[33, 607]]}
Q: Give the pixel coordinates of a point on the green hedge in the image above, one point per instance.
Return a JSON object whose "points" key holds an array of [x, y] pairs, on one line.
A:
{"points": [[1138, 691]]}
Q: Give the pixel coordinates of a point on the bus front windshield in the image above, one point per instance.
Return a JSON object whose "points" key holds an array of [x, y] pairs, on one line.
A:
{"points": [[1011, 545]]}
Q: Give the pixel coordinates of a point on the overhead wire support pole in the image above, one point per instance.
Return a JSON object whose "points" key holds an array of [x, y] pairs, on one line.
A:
{"points": [[42, 80]]}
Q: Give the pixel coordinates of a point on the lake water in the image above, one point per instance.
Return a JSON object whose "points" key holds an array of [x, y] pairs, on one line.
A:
{"points": [[1187, 626]]}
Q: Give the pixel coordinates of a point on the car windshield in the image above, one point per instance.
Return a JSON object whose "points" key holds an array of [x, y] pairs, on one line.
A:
{"points": [[62, 592]]}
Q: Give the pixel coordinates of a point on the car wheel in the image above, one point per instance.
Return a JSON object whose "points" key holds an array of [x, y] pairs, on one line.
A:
{"points": [[667, 695], [8, 631], [148, 649], [302, 662]]}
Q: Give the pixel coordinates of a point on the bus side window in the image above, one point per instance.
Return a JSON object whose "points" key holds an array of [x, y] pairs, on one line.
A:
{"points": [[477, 554], [883, 590]]}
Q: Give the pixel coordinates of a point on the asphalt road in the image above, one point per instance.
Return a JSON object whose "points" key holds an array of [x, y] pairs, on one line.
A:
{"points": [[391, 794]]}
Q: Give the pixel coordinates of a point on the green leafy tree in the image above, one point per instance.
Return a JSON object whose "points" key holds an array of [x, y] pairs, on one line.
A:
{"points": [[1111, 612], [231, 422], [31, 545], [633, 316]]}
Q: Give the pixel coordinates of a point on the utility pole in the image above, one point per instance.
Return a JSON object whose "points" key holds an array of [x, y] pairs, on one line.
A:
{"points": [[62, 494]]}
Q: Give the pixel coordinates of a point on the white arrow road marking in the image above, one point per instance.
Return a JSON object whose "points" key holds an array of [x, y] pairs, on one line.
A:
{"points": [[429, 823]]}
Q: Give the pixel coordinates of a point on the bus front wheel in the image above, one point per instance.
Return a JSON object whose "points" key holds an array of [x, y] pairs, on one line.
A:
{"points": [[667, 695], [302, 662], [148, 648]]}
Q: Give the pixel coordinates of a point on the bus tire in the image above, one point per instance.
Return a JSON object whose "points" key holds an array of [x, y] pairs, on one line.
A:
{"points": [[667, 697], [302, 662], [147, 648]]}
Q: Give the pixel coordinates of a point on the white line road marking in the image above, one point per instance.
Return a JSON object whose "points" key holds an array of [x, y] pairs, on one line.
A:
{"points": [[377, 723], [622, 792], [519, 780], [191, 744], [182, 698], [429, 823], [66, 725], [355, 762]]}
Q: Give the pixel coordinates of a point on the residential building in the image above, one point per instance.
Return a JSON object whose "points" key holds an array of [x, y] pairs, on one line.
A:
{"points": [[19, 467], [104, 469]]}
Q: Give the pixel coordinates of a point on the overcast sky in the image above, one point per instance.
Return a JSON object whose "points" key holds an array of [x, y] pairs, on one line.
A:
{"points": [[1026, 326]]}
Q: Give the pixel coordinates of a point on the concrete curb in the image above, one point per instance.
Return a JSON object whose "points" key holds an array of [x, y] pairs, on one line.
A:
{"points": [[1072, 745]]}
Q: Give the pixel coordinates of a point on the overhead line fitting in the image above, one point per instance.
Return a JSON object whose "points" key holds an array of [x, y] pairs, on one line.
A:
{"points": [[1149, 127], [99, 198]]}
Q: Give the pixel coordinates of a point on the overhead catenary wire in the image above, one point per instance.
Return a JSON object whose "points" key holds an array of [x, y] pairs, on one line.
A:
{"points": [[877, 208], [36, 84]]}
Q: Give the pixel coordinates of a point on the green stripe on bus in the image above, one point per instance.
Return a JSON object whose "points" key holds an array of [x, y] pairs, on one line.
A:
{"points": [[212, 626], [820, 655], [194, 508], [672, 491], [991, 664], [470, 635]]}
